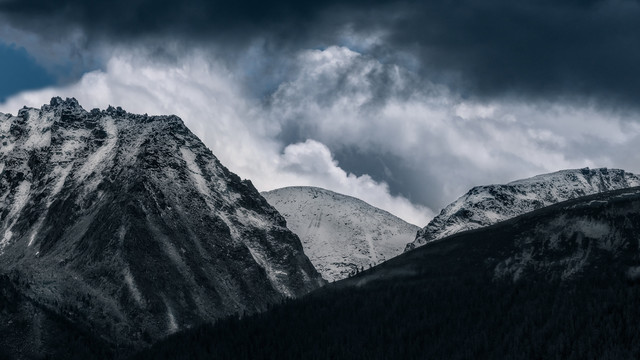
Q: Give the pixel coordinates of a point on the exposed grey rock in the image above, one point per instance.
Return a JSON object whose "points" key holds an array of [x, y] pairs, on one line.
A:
{"points": [[133, 227]]}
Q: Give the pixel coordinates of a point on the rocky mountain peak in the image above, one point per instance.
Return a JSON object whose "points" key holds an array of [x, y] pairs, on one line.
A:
{"points": [[133, 214]]}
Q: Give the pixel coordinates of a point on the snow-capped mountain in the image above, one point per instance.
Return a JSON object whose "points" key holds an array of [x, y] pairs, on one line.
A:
{"points": [[340, 234], [485, 205], [129, 227]]}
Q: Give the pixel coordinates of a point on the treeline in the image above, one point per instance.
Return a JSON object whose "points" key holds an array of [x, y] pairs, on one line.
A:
{"points": [[592, 317], [29, 330]]}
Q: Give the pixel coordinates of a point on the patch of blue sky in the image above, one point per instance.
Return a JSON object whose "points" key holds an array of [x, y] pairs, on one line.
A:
{"points": [[19, 71]]}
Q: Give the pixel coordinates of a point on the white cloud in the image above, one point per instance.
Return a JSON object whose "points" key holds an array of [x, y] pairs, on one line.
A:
{"points": [[345, 99], [310, 163], [236, 128]]}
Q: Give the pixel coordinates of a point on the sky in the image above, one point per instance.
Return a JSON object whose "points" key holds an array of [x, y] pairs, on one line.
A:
{"points": [[404, 104]]}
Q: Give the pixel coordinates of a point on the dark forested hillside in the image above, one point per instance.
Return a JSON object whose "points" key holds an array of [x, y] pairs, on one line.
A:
{"points": [[57, 337], [559, 283]]}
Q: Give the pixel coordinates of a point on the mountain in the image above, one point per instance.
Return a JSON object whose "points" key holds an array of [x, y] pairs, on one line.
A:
{"points": [[127, 227], [559, 282], [340, 234], [485, 205]]}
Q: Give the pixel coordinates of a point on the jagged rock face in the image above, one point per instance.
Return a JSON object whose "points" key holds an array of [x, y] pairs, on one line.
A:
{"points": [[487, 205], [132, 223], [340, 234]]}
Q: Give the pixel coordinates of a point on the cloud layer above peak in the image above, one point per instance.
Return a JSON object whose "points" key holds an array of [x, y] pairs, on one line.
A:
{"points": [[348, 122], [238, 129]]}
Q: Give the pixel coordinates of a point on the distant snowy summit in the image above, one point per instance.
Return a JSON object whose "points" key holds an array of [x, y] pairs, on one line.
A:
{"points": [[340, 234], [487, 205]]}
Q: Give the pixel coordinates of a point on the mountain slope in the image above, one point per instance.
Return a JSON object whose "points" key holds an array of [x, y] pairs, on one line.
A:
{"points": [[559, 282], [340, 234], [128, 226], [486, 205]]}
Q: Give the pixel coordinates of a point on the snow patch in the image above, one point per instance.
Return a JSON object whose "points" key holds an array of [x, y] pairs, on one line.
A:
{"points": [[8, 234], [20, 199], [133, 289], [102, 155], [5, 123], [35, 231], [70, 146], [5, 149], [273, 274], [250, 218], [6, 145], [39, 130], [194, 171], [172, 324], [202, 184], [73, 142], [61, 173]]}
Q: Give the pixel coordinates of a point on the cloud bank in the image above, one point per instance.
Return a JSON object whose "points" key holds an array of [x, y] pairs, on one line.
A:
{"points": [[531, 49], [238, 129], [432, 143], [348, 122]]}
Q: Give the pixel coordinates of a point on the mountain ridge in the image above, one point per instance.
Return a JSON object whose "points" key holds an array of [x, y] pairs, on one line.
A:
{"points": [[487, 204]]}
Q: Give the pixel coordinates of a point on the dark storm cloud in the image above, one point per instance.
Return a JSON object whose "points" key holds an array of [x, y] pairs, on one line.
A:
{"points": [[550, 48], [199, 19], [486, 48], [393, 170]]}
